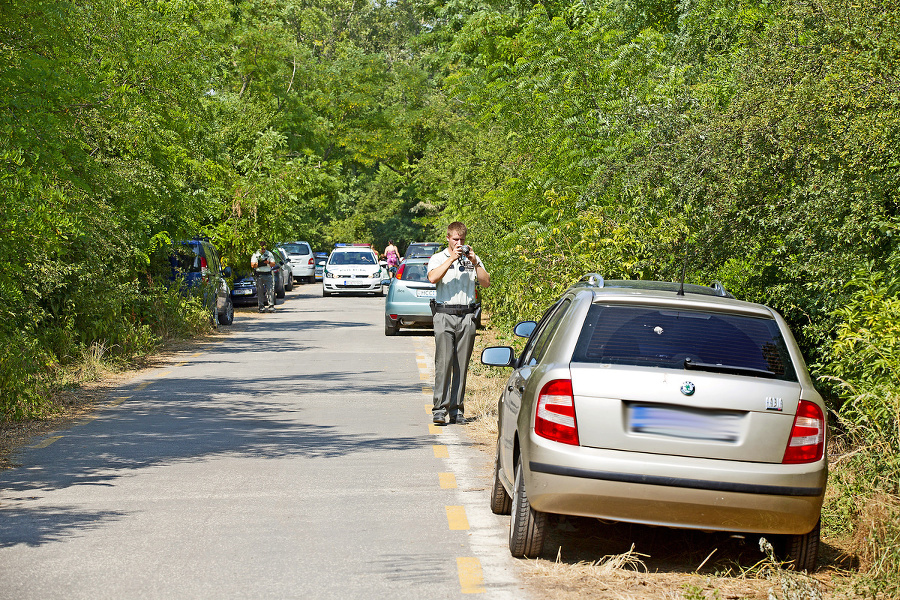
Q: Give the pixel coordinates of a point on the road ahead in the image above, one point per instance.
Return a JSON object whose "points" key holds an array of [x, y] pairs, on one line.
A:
{"points": [[294, 459]]}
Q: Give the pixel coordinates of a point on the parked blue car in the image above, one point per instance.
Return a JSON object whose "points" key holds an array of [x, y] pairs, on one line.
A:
{"points": [[196, 264]]}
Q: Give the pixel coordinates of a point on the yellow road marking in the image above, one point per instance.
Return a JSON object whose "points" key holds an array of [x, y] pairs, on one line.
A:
{"points": [[440, 451], [182, 363], [142, 386], [432, 428], [196, 354], [428, 391], [47, 442], [471, 578], [448, 481], [456, 518], [164, 373], [428, 408], [119, 400], [424, 376]]}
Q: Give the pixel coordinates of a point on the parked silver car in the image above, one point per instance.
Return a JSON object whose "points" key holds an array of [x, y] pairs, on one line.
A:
{"points": [[633, 401]]}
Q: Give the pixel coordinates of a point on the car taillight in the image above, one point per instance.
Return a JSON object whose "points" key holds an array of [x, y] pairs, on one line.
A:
{"points": [[400, 272], [555, 416], [312, 261], [807, 443], [203, 268]]}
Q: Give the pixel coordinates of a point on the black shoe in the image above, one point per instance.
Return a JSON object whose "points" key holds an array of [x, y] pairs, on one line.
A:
{"points": [[458, 420], [262, 310]]}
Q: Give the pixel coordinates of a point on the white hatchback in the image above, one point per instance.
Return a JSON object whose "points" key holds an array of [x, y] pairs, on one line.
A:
{"points": [[302, 260], [352, 268]]}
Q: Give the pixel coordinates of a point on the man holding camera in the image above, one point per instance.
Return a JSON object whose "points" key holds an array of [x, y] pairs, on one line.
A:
{"points": [[454, 271], [262, 263]]}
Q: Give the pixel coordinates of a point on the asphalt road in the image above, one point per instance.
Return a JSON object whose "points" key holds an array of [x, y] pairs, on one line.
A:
{"points": [[294, 459]]}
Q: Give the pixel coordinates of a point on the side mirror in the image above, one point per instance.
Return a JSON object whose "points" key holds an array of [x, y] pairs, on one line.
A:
{"points": [[525, 329], [227, 271], [498, 356]]}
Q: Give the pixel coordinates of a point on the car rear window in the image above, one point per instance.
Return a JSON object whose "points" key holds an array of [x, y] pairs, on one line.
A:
{"points": [[423, 251], [187, 259], [415, 272], [297, 248], [650, 336]]}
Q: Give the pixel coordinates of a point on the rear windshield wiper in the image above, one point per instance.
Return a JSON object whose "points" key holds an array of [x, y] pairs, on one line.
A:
{"points": [[700, 366]]}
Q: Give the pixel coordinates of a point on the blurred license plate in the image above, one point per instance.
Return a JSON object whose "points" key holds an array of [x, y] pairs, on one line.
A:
{"points": [[242, 292], [685, 423], [425, 293]]}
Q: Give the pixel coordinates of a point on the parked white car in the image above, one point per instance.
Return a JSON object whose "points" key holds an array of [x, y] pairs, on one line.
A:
{"points": [[352, 268], [302, 260]]}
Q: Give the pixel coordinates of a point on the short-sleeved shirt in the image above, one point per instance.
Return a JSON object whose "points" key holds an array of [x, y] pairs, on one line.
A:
{"points": [[262, 260], [455, 287]]}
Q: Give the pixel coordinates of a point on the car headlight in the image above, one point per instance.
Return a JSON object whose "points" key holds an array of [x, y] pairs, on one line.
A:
{"points": [[329, 274], [375, 274]]}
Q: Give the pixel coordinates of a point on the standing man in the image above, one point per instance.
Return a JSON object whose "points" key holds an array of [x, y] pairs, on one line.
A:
{"points": [[454, 271], [262, 263]]}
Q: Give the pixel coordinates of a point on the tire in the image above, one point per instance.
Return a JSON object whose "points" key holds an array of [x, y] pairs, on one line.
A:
{"points": [[379, 294], [501, 503], [325, 294], [802, 551], [526, 525], [291, 282], [226, 317], [279, 291], [390, 329]]}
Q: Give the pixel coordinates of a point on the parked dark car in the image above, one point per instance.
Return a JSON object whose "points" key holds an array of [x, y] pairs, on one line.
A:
{"points": [[244, 292], [196, 264], [422, 250]]}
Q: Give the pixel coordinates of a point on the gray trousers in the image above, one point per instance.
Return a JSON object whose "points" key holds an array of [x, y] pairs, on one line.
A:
{"points": [[265, 289], [454, 337]]}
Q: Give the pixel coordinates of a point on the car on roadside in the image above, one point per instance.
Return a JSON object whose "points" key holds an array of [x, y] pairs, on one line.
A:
{"points": [[302, 260], [408, 297], [196, 264], [663, 404], [244, 290], [352, 268], [321, 259], [422, 250]]}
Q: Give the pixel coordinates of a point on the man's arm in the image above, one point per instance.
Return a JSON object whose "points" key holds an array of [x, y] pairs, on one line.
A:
{"points": [[437, 273]]}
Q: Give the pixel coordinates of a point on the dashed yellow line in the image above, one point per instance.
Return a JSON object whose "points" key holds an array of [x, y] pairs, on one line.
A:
{"points": [[196, 354], [119, 400], [432, 428], [448, 481], [456, 518], [142, 386], [428, 391], [164, 373], [471, 577], [423, 376], [440, 451], [47, 441]]}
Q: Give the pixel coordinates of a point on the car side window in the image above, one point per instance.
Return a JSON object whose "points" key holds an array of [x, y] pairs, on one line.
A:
{"points": [[537, 343]]}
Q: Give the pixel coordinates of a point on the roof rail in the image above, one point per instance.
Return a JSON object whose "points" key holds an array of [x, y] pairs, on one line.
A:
{"points": [[720, 290], [592, 279]]}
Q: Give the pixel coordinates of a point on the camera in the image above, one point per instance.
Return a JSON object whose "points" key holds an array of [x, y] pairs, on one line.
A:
{"points": [[464, 250]]}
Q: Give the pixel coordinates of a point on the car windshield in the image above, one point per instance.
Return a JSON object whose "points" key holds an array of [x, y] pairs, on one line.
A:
{"points": [[678, 339], [352, 258], [297, 248], [415, 272], [422, 251]]}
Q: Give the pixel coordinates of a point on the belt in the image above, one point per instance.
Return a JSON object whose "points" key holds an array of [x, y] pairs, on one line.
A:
{"points": [[453, 309], [264, 272]]}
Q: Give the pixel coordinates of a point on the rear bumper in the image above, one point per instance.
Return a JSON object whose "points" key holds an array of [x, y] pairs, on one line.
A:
{"points": [[674, 491]]}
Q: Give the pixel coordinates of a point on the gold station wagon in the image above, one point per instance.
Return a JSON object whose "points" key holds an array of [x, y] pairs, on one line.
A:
{"points": [[663, 404]]}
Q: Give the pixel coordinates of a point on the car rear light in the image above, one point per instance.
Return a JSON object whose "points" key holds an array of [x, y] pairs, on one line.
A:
{"points": [[807, 443], [555, 416], [400, 272], [394, 317], [203, 268], [312, 261]]}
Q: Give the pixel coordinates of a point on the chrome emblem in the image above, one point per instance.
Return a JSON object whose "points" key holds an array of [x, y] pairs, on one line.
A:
{"points": [[687, 388]]}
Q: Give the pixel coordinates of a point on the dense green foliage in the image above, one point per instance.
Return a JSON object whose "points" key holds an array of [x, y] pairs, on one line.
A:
{"points": [[754, 141]]}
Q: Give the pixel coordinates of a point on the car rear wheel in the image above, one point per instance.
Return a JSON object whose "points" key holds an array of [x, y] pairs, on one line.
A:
{"points": [[226, 317], [279, 291], [802, 551], [526, 525], [390, 329], [501, 503], [290, 283]]}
